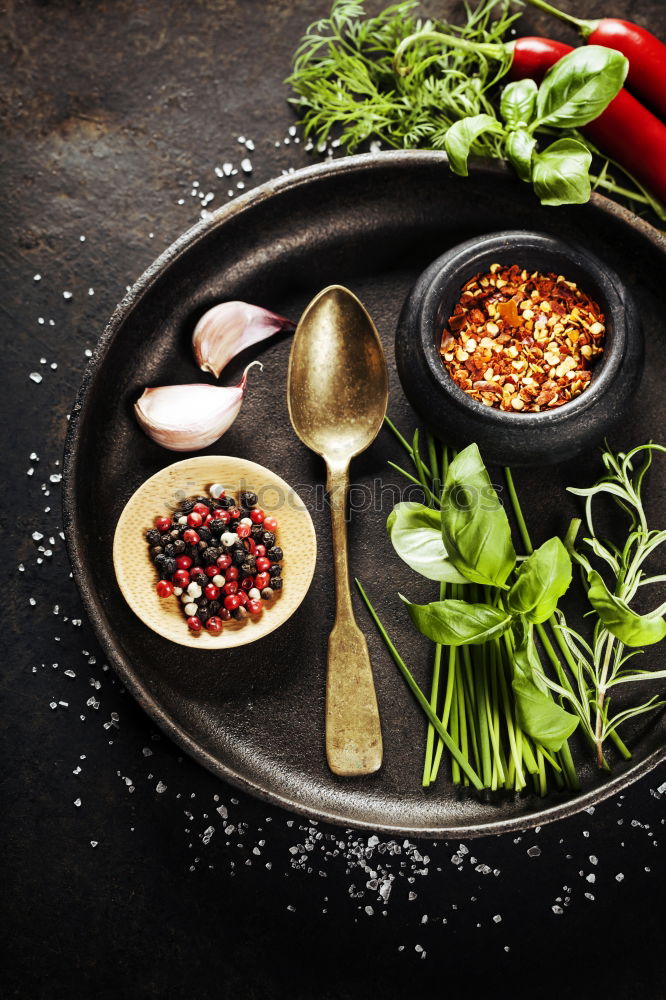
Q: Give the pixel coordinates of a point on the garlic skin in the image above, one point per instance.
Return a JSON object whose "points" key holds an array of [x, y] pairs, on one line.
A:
{"points": [[228, 328], [189, 417]]}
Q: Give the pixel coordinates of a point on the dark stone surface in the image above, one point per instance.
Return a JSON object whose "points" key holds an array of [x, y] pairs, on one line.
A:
{"points": [[111, 112]]}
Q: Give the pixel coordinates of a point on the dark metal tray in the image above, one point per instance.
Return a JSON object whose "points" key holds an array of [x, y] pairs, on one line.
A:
{"points": [[255, 715]]}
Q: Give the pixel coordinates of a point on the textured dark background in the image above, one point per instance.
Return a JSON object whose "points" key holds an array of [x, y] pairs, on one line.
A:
{"points": [[115, 116]]}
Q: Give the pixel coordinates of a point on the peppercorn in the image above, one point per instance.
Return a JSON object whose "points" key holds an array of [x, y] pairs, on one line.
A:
{"points": [[153, 536], [226, 503], [214, 607], [276, 583], [249, 566], [217, 525], [186, 506], [169, 550], [169, 566], [268, 538], [238, 556], [240, 614], [257, 531], [179, 547], [205, 534], [202, 546], [203, 615], [155, 550], [275, 554], [165, 539], [275, 570], [159, 559], [248, 499], [266, 594]]}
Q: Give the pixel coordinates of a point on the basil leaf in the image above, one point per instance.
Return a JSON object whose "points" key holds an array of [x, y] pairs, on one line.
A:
{"points": [[518, 102], [475, 527], [580, 86], [561, 173], [416, 536], [537, 714], [457, 623], [519, 148], [540, 582], [462, 135], [620, 620]]}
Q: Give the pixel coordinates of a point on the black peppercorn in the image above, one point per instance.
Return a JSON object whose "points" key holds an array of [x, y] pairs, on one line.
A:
{"points": [[238, 556], [256, 531], [179, 546], [169, 566], [202, 546], [276, 582], [187, 505], [268, 538], [217, 526], [266, 594], [275, 570], [203, 615], [205, 534], [248, 499], [213, 607], [240, 614], [226, 503], [153, 536], [248, 568], [156, 550], [210, 556], [275, 554], [169, 550], [159, 559], [165, 539]]}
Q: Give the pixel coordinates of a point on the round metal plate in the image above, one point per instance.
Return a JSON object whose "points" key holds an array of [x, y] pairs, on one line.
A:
{"points": [[255, 715]]}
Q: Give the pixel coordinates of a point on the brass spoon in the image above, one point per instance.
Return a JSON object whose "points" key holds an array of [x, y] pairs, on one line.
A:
{"points": [[337, 391]]}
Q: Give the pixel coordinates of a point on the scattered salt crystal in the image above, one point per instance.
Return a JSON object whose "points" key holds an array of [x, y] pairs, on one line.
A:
{"points": [[557, 909], [77, 803], [619, 877], [246, 165], [66, 295], [36, 277], [497, 918], [36, 377], [160, 787], [534, 852]]}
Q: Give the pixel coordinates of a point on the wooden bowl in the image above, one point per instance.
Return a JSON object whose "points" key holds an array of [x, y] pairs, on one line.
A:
{"points": [[137, 575]]}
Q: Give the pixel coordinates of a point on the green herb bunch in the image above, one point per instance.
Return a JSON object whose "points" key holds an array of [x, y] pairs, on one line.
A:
{"points": [[346, 83], [493, 705], [414, 82], [512, 680], [600, 665]]}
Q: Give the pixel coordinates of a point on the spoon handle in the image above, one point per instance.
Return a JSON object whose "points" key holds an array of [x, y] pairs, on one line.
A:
{"points": [[353, 732]]}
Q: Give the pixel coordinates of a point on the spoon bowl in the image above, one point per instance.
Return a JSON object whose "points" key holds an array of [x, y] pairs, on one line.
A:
{"points": [[337, 391], [338, 385]]}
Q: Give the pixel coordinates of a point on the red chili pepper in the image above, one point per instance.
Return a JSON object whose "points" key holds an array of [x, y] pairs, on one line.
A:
{"points": [[645, 52], [626, 131]]}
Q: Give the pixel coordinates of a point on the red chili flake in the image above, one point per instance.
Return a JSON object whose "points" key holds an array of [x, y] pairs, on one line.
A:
{"points": [[522, 341]]}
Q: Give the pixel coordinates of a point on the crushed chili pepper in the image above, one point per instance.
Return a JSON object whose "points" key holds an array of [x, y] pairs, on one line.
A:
{"points": [[522, 341]]}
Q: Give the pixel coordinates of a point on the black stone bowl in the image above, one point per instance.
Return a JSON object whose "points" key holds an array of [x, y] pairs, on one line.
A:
{"points": [[509, 438]]}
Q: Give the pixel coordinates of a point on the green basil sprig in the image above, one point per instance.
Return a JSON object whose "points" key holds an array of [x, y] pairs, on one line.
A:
{"points": [[540, 582], [575, 91], [416, 534], [475, 528], [458, 623], [537, 713]]}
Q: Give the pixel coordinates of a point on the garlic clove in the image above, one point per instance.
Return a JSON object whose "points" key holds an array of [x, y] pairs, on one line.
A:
{"points": [[228, 328], [189, 417]]}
